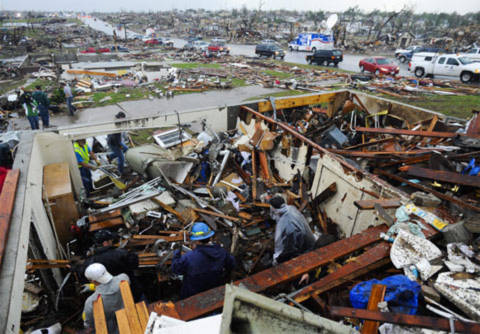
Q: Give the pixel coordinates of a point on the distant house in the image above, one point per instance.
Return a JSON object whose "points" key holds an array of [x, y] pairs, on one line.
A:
{"points": [[405, 39]]}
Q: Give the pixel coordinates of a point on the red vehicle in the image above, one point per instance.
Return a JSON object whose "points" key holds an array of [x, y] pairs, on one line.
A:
{"points": [[152, 41], [218, 47], [93, 50], [378, 65]]}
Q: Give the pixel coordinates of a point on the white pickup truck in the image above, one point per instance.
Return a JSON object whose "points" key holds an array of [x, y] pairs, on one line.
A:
{"points": [[473, 54], [452, 65]]}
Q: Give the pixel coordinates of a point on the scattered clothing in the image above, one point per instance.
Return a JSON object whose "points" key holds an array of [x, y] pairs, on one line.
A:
{"points": [[205, 267]]}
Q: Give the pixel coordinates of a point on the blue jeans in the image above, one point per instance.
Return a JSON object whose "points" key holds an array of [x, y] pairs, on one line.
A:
{"points": [[86, 179], [69, 105], [118, 153], [43, 112], [33, 122]]}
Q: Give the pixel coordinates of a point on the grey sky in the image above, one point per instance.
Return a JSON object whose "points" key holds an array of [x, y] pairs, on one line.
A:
{"points": [[461, 6]]}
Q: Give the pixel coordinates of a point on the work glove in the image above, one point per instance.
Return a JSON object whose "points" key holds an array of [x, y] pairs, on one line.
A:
{"points": [[86, 288]]}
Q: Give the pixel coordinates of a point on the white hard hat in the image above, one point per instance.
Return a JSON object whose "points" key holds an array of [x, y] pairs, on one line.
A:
{"points": [[98, 273]]}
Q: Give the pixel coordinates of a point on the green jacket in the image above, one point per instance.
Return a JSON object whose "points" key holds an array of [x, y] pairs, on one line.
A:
{"points": [[31, 109], [41, 98]]}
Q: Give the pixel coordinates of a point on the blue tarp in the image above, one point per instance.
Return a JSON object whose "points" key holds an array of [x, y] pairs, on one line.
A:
{"points": [[401, 294]]}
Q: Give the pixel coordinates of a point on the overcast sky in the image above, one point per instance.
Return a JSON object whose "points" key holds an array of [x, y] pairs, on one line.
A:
{"points": [[461, 6]]}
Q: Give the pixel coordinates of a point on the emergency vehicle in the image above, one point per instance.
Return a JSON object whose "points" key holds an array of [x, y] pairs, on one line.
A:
{"points": [[311, 42]]}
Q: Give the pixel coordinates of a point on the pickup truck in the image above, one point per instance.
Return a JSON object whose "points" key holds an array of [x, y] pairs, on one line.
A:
{"points": [[403, 57], [445, 65], [473, 54]]}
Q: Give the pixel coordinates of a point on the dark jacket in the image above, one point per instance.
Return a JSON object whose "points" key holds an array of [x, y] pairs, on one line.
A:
{"points": [[114, 140], [203, 268], [116, 260], [41, 98]]}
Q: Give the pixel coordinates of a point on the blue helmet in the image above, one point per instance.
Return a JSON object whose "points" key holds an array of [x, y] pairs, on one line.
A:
{"points": [[201, 231]]}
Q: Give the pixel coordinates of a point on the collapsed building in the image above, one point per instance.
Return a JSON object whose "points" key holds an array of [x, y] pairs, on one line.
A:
{"points": [[343, 158]]}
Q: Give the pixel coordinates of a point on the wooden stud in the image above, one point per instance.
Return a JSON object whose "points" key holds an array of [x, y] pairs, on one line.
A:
{"points": [[99, 316]]}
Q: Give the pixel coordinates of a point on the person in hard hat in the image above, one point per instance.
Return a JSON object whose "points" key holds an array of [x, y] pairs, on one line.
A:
{"points": [[108, 287], [206, 266], [83, 153], [116, 260], [293, 235]]}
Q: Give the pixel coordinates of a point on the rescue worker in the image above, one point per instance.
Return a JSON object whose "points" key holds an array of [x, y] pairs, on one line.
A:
{"points": [[116, 260], [31, 110], [84, 154], [293, 235], [108, 287], [117, 146], [43, 103], [207, 266]]}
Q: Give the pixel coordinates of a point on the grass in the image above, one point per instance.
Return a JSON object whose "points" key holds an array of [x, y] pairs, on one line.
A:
{"points": [[454, 105], [123, 94], [40, 82], [195, 65], [277, 74], [278, 94], [314, 67], [8, 86], [141, 137], [236, 82]]}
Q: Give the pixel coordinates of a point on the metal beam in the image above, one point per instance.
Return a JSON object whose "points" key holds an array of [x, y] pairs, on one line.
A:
{"points": [[211, 300]]}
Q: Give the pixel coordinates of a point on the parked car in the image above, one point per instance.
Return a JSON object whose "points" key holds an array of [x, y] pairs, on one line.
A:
{"points": [[219, 47], [409, 49], [93, 50], [378, 65], [448, 65], [269, 50], [119, 49], [407, 56], [153, 41], [325, 57], [196, 45], [168, 42]]}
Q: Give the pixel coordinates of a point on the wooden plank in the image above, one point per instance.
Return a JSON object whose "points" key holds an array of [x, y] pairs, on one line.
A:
{"points": [[369, 204], [122, 322], [153, 238], [7, 200], [130, 309], [106, 224], [370, 143], [96, 73], [99, 316], [142, 314], [213, 213], [379, 154], [211, 300], [405, 319], [325, 194], [104, 216], [428, 190], [293, 102], [168, 208], [56, 178], [442, 176], [373, 258], [430, 128], [376, 296], [403, 132]]}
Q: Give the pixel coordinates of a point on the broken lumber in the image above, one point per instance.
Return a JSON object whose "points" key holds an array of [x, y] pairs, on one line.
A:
{"points": [[211, 300], [376, 296], [97, 73], [403, 132], [405, 319], [428, 190], [442, 175], [369, 204], [7, 200], [105, 224]]}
